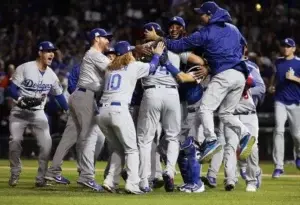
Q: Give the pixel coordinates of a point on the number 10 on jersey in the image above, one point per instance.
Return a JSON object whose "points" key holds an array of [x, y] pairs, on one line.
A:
{"points": [[113, 82]]}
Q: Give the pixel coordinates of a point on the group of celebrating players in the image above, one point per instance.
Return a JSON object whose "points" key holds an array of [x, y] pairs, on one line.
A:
{"points": [[154, 102]]}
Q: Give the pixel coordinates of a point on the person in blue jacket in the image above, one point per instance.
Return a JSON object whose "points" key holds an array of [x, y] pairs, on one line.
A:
{"points": [[221, 43]]}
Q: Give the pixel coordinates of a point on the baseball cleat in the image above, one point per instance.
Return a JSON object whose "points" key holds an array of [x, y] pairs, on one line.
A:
{"points": [[229, 187], [209, 181], [246, 144], [194, 188], [157, 183], [208, 149], [297, 162], [133, 189], [146, 189], [277, 173], [92, 185], [43, 183], [181, 187], [13, 180], [169, 183], [259, 179], [109, 188], [243, 173], [251, 188], [58, 179]]}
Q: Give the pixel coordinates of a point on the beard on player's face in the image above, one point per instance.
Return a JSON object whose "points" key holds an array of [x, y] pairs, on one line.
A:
{"points": [[103, 43], [175, 31]]}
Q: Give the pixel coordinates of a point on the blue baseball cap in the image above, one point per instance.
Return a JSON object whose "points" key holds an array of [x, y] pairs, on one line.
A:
{"points": [[123, 47], [288, 42], [156, 26], [99, 32], [47, 46], [209, 8], [177, 20]]}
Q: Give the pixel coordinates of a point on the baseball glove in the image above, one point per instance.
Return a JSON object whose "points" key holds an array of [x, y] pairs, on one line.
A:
{"points": [[29, 102]]}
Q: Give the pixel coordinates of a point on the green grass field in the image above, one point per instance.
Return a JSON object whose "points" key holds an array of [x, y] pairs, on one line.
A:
{"points": [[285, 190]]}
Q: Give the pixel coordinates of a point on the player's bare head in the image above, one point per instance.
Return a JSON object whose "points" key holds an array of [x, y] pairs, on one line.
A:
{"points": [[123, 57], [152, 25], [110, 53], [176, 27], [46, 52], [100, 38], [206, 11], [288, 47]]}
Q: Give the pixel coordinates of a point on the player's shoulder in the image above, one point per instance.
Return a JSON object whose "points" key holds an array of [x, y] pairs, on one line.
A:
{"points": [[251, 64], [27, 65], [297, 59], [279, 60]]}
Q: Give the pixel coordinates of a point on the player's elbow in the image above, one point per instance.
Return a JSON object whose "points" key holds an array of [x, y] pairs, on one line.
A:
{"points": [[13, 91]]}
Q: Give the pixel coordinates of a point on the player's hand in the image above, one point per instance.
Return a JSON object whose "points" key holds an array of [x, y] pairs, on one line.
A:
{"points": [[271, 89], [143, 50], [290, 75], [203, 71], [151, 35], [159, 48]]}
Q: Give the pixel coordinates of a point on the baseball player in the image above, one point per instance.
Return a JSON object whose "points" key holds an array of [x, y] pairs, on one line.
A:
{"points": [[221, 44], [30, 86], [83, 105], [160, 103], [70, 136], [176, 30], [246, 111], [287, 103], [114, 119]]}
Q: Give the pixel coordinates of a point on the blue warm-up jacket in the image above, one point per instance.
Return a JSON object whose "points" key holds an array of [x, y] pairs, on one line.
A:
{"points": [[220, 41]]}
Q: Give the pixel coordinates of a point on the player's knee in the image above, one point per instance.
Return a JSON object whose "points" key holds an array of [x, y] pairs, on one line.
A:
{"points": [[278, 133]]}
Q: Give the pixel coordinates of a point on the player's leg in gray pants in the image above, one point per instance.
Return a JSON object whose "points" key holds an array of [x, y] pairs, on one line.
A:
{"points": [[19, 120], [117, 125], [82, 106], [68, 139], [158, 103], [225, 90], [282, 113]]}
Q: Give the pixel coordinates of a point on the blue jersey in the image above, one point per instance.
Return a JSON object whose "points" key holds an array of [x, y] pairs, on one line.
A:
{"points": [[221, 42], [73, 78], [193, 92], [287, 91]]}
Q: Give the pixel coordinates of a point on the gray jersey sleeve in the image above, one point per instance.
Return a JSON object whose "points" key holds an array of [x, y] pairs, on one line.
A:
{"points": [[259, 90], [184, 57], [18, 76], [56, 88], [142, 69], [100, 61]]}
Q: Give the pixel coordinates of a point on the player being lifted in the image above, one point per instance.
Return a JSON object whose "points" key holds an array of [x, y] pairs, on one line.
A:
{"points": [[34, 79], [221, 43]]}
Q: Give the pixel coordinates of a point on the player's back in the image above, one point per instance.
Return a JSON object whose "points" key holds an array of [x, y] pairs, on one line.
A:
{"points": [[162, 76], [119, 84], [92, 70]]}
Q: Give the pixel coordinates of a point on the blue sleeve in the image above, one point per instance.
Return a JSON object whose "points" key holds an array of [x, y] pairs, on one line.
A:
{"points": [[62, 101], [259, 90], [154, 63], [196, 39], [13, 91], [73, 79], [172, 69]]}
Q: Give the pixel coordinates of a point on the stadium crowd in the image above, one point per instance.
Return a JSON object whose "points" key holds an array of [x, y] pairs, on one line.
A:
{"points": [[23, 24]]}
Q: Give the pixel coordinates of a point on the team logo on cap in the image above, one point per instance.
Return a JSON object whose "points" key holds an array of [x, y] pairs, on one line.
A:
{"points": [[97, 34], [128, 47], [286, 40], [50, 44], [175, 19], [41, 47]]}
